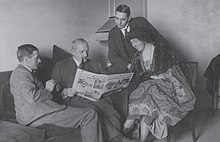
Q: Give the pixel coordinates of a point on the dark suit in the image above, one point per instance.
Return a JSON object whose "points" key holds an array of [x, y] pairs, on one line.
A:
{"points": [[212, 74], [121, 52], [64, 73], [34, 106]]}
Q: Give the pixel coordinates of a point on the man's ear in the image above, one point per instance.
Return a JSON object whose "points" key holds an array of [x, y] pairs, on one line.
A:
{"points": [[25, 59], [72, 50]]}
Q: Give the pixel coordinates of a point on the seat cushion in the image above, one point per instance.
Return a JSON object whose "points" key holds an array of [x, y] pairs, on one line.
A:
{"points": [[70, 137], [11, 132], [53, 130]]}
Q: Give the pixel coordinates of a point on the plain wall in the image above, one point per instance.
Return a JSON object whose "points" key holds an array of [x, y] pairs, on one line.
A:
{"points": [[192, 28], [48, 22]]}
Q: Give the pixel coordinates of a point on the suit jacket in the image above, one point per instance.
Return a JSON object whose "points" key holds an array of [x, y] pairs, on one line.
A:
{"points": [[212, 74], [121, 52], [64, 72], [31, 99]]}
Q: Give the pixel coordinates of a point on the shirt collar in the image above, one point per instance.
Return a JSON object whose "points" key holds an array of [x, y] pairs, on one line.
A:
{"points": [[77, 62], [27, 67], [127, 27]]}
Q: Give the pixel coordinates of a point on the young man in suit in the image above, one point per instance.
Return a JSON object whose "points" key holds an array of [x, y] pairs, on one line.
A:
{"points": [[34, 105], [121, 51], [64, 73]]}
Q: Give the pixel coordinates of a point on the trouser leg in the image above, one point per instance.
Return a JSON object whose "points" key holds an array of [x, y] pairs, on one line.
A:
{"points": [[86, 118], [106, 106], [109, 117]]}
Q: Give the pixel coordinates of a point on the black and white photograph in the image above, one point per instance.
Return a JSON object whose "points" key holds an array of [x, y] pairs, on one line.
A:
{"points": [[167, 50]]}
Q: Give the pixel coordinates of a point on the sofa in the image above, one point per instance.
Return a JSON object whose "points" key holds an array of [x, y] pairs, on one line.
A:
{"points": [[11, 131]]}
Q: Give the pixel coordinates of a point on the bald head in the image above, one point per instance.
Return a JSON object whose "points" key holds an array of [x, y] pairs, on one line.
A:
{"points": [[80, 49]]}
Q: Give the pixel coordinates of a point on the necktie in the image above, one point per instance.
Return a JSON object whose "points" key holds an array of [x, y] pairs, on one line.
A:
{"points": [[126, 33], [81, 65]]}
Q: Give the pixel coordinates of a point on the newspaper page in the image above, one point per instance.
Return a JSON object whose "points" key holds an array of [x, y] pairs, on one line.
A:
{"points": [[91, 85], [117, 81]]}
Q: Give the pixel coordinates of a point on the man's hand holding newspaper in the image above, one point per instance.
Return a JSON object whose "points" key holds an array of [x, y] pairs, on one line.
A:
{"points": [[68, 92], [92, 86]]}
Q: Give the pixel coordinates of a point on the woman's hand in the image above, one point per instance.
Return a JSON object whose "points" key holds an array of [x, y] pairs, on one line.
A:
{"points": [[160, 76]]}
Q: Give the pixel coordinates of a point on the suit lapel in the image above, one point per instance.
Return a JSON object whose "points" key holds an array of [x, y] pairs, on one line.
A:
{"points": [[71, 71]]}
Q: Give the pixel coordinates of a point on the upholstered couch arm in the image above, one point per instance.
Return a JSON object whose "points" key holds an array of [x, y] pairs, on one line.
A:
{"points": [[7, 113], [7, 110]]}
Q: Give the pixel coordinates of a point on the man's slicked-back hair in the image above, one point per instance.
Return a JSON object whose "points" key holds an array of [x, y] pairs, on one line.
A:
{"points": [[25, 50], [124, 9], [78, 40]]}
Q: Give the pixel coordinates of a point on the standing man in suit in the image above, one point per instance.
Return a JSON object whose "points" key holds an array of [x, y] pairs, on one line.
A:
{"points": [[121, 51], [34, 105], [64, 73]]}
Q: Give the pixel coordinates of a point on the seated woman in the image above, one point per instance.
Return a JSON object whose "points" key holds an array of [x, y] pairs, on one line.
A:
{"points": [[162, 96]]}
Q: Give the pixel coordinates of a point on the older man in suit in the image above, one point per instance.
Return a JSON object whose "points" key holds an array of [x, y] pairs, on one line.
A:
{"points": [[121, 51], [34, 105], [64, 73]]}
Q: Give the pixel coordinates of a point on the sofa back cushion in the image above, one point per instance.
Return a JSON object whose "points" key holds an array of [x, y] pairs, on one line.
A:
{"points": [[6, 98], [59, 54], [43, 73]]}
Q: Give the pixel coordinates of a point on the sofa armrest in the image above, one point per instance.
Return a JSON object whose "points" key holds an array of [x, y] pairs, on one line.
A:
{"points": [[7, 108], [10, 132]]}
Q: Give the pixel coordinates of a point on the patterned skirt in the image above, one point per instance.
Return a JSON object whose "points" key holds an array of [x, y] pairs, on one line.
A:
{"points": [[168, 99]]}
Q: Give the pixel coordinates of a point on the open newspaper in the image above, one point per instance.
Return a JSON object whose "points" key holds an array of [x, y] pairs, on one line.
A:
{"points": [[92, 86]]}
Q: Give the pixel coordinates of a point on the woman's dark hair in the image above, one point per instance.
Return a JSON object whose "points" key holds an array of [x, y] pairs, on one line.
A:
{"points": [[124, 9], [140, 34]]}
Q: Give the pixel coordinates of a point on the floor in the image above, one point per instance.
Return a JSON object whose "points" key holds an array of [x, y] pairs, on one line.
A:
{"points": [[207, 128], [207, 124]]}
